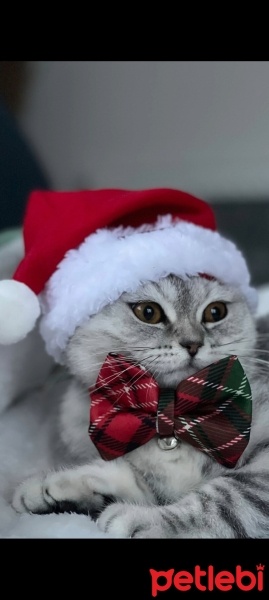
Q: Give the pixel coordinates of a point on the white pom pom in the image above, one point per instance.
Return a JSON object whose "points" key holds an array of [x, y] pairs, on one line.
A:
{"points": [[19, 310]]}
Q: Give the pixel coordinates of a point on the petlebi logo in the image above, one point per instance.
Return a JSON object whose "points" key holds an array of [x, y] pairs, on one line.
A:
{"points": [[208, 579]]}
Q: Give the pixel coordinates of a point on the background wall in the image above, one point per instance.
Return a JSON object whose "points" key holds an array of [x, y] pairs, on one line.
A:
{"points": [[200, 126]]}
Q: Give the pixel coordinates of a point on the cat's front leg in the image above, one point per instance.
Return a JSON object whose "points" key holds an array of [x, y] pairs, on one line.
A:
{"points": [[230, 506], [84, 489], [124, 520], [128, 520]]}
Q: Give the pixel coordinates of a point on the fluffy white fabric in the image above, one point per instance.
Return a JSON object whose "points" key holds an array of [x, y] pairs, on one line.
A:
{"points": [[25, 450], [111, 262], [25, 427], [19, 308], [25, 431]]}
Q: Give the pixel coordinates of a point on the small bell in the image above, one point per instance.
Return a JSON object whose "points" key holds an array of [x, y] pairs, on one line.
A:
{"points": [[168, 443]]}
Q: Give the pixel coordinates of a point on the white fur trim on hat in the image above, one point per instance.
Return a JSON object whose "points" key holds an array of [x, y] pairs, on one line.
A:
{"points": [[110, 262]]}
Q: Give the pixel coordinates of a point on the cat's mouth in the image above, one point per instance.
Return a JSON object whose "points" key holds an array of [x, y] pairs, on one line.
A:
{"points": [[195, 364], [171, 376], [169, 371], [190, 364]]}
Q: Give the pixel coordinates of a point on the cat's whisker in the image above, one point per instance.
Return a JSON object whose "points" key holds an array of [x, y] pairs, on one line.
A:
{"points": [[259, 351], [114, 351], [253, 359], [254, 369], [122, 346], [101, 362], [111, 378], [243, 339], [256, 360], [231, 353], [251, 363], [155, 372], [256, 350], [133, 381], [135, 378]]}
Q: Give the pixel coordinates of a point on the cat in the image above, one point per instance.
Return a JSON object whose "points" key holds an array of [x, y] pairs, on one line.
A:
{"points": [[173, 328]]}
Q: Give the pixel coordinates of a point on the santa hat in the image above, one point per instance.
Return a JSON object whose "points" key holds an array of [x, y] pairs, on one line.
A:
{"points": [[84, 249]]}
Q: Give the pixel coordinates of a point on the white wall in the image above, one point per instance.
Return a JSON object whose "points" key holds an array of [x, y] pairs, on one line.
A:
{"points": [[198, 126]]}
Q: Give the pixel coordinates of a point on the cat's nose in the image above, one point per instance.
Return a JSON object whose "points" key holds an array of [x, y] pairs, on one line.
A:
{"points": [[191, 346]]}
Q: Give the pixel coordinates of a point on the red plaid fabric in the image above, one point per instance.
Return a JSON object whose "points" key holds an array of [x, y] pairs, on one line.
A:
{"points": [[210, 410]]}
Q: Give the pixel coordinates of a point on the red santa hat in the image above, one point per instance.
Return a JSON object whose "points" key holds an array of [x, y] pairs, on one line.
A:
{"points": [[84, 249]]}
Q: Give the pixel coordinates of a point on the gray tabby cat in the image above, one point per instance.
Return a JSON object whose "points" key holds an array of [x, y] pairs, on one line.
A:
{"points": [[173, 328]]}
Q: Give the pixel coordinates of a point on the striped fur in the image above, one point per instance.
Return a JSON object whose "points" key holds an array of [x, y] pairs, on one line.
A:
{"points": [[180, 493]]}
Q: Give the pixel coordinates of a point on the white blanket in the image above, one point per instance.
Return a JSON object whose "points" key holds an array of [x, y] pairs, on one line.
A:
{"points": [[25, 427]]}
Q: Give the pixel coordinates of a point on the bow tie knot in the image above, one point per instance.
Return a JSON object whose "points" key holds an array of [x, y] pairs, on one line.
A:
{"points": [[211, 410]]}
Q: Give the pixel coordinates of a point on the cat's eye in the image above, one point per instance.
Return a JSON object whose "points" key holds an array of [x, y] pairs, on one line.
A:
{"points": [[216, 311], [148, 312]]}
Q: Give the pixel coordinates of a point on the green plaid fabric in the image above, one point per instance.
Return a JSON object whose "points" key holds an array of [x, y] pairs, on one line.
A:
{"points": [[210, 410]]}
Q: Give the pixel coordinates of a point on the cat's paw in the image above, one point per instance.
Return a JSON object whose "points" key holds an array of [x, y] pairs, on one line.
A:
{"points": [[122, 520], [28, 496], [55, 493]]}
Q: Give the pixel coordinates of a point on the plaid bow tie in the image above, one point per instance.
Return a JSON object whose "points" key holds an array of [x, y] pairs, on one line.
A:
{"points": [[211, 410]]}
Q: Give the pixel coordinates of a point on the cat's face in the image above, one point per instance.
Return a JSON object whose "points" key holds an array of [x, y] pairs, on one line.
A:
{"points": [[173, 328]]}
